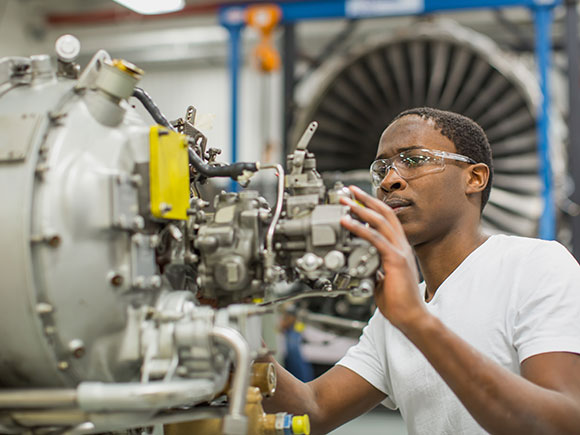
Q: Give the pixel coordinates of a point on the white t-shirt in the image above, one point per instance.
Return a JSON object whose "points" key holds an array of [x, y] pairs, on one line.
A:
{"points": [[511, 298]]}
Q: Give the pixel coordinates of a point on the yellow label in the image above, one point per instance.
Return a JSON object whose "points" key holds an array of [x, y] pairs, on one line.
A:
{"points": [[168, 173]]}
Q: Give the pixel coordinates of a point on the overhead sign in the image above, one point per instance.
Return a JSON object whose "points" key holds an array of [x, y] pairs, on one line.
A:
{"points": [[382, 8]]}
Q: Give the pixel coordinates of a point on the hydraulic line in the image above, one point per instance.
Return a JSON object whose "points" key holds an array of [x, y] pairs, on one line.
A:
{"points": [[152, 108], [234, 171]]}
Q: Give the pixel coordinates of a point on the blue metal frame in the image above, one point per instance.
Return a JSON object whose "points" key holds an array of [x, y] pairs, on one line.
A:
{"points": [[543, 23], [232, 17]]}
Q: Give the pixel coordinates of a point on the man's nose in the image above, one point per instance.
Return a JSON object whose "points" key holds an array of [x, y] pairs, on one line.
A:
{"points": [[392, 180]]}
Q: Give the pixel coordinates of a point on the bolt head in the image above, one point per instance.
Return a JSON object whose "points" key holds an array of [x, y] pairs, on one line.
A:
{"points": [[117, 280], [54, 241]]}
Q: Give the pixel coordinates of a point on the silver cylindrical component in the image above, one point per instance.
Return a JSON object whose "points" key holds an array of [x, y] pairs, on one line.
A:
{"points": [[67, 48], [38, 399], [235, 423], [118, 78], [97, 396], [334, 260]]}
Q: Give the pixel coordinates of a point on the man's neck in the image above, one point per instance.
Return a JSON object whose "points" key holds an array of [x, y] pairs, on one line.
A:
{"points": [[439, 258]]}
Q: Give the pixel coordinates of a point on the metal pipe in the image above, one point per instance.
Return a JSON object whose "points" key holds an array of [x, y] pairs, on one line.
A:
{"points": [[542, 24], [98, 396], [236, 421], [278, 210], [77, 420], [234, 170], [152, 108], [313, 294], [26, 399], [309, 316]]}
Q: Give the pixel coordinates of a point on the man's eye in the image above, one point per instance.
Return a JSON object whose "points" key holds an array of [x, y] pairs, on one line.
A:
{"points": [[415, 161]]}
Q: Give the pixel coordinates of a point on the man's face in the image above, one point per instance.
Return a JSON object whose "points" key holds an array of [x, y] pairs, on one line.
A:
{"points": [[429, 206]]}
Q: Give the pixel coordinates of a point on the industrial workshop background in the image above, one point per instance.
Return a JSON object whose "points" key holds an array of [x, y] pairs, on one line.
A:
{"points": [[259, 73]]}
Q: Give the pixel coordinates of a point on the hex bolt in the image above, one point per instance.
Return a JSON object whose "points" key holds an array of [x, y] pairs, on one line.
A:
{"points": [[62, 365]]}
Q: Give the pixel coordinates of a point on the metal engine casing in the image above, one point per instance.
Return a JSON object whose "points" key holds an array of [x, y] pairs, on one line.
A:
{"points": [[67, 258]]}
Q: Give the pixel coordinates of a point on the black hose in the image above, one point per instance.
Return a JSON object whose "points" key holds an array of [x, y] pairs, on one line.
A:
{"points": [[233, 171], [152, 108]]}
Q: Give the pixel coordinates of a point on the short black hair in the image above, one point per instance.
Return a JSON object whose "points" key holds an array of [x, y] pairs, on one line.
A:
{"points": [[466, 134]]}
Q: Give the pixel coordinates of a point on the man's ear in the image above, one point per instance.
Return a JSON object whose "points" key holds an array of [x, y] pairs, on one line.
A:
{"points": [[478, 176]]}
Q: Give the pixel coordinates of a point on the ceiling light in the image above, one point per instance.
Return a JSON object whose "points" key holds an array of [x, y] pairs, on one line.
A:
{"points": [[152, 7]]}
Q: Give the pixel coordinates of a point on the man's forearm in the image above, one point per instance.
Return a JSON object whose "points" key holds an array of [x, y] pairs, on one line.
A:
{"points": [[501, 401], [292, 395]]}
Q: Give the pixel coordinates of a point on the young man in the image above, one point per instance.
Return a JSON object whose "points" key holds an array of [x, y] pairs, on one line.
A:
{"points": [[490, 341]]}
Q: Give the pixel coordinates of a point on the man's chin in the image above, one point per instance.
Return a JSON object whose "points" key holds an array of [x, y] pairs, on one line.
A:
{"points": [[414, 234]]}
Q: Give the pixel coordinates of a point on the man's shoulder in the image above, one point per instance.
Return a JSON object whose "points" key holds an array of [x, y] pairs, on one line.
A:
{"points": [[513, 244], [531, 252]]}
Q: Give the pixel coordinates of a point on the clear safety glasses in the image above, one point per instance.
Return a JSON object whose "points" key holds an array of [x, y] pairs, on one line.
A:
{"points": [[413, 163]]}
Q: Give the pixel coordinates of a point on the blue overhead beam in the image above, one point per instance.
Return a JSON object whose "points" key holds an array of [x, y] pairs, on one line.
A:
{"points": [[327, 9]]}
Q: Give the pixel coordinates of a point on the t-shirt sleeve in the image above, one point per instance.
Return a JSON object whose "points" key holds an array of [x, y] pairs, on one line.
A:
{"points": [[548, 312], [368, 359]]}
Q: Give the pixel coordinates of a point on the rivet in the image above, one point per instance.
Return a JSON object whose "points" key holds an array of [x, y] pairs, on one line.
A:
{"points": [[117, 280], [54, 241], [77, 348]]}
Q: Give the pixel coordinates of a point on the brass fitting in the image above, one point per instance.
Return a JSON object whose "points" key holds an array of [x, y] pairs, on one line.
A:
{"points": [[259, 423]]}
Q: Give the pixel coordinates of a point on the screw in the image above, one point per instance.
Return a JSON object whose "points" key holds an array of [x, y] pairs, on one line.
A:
{"points": [[165, 208]]}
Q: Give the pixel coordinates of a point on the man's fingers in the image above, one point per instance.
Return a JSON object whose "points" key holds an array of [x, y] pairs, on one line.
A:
{"points": [[375, 219], [369, 234], [375, 204]]}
